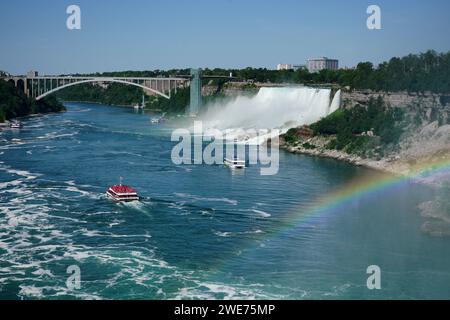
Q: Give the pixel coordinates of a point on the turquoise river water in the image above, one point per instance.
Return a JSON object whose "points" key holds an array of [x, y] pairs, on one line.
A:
{"points": [[200, 231]]}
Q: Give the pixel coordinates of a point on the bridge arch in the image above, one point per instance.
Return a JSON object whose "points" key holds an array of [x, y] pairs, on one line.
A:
{"points": [[20, 84], [101, 80]]}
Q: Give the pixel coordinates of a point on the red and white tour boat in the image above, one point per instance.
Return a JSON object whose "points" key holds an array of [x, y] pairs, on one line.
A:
{"points": [[122, 193]]}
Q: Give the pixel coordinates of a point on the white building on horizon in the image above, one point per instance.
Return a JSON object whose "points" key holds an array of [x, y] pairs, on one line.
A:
{"points": [[284, 66]]}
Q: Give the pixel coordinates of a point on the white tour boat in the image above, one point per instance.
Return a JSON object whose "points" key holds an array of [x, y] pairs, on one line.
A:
{"points": [[16, 125], [234, 163]]}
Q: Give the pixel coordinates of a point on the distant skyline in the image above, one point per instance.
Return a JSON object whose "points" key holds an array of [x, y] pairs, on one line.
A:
{"points": [[164, 34]]}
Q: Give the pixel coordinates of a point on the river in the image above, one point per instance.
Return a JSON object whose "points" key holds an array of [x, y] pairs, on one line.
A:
{"points": [[200, 231]]}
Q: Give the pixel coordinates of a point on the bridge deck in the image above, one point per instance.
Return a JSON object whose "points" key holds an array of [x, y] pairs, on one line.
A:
{"points": [[100, 78]]}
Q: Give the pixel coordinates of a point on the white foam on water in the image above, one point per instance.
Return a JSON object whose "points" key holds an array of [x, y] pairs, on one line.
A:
{"points": [[22, 173], [215, 290], [91, 233], [227, 234], [206, 213], [199, 198], [81, 110], [339, 290], [82, 193], [180, 205], [12, 183], [115, 222], [136, 205], [31, 291], [43, 272], [34, 237], [223, 234], [80, 256], [55, 135], [254, 231], [262, 213]]}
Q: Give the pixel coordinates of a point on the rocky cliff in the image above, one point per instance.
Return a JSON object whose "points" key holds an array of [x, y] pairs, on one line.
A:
{"points": [[430, 106], [425, 140]]}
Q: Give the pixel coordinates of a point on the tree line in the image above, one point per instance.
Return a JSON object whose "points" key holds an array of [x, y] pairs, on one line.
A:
{"points": [[429, 71], [14, 103]]}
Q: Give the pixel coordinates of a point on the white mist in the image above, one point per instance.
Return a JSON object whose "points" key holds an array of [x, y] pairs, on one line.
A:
{"points": [[281, 108]]}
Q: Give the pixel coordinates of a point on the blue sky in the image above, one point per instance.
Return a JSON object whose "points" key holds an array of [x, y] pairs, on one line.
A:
{"points": [[164, 34]]}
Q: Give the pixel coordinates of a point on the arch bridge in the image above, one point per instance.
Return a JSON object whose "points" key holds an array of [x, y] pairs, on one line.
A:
{"points": [[39, 87]]}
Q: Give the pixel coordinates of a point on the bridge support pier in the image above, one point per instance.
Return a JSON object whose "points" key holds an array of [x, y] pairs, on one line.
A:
{"points": [[196, 92], [25, 87]]}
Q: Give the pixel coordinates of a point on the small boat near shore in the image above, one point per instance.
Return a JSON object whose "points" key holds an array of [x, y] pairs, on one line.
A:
{"points": [[140, 107], [16, 125], [122, 193], [234, 163], [159, 120]]}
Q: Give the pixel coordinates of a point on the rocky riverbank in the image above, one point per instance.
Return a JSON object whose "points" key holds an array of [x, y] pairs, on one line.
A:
{"points": [[429, 143], [429, 106], [425, 139]]}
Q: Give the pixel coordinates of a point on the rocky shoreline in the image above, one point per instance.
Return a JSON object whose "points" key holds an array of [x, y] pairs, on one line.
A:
{"points": [[420, 145], [436, 211], [425, 146], [385, 165]]}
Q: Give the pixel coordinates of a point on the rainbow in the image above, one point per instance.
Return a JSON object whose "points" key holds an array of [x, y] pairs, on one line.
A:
{"points": [[360, 189]]}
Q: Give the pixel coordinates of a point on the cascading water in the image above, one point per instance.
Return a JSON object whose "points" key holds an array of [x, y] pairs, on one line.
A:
{"points": [[336, 103], [273, 108]]}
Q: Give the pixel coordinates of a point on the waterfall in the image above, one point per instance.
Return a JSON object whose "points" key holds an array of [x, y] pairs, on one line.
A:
{"points": [[281, 108], [336, 103]]}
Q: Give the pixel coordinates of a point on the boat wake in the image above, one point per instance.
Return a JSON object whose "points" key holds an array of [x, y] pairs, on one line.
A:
{"points": [[135, 205], [194, 198]]}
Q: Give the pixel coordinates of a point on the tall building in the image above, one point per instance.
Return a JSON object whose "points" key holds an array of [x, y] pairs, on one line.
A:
{"points": [[317, 64]]}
